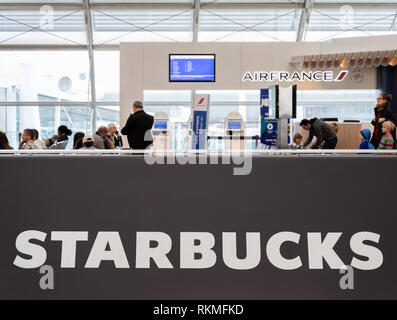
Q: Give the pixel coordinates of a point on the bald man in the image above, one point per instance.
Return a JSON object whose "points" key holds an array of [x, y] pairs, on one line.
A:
{"points": [[101, 140]]}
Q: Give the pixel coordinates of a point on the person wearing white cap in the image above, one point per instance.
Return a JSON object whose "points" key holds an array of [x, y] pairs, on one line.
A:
{"points": [[88, 143], [114, 136]]}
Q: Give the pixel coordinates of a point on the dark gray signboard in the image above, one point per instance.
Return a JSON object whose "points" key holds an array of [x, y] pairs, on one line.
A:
{"points": [[116, 227]]}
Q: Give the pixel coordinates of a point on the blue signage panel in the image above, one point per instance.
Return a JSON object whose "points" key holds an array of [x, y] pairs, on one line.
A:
{"points": [[270, 129], [199, 129], [268, 126]]}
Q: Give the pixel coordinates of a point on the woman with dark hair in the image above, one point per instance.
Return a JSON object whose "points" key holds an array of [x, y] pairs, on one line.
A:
{"points": [[78, 140], [63, 133], [383, 112], [4, 144], [61, 140]]}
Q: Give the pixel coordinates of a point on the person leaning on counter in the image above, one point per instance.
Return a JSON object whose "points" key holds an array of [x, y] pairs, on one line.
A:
{"points": [[383, 112], [322, 131]]}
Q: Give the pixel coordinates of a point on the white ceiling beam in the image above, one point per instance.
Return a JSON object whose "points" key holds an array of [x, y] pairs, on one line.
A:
{"points": [[196, 17], [141, 6], [56, 104], [44, 47], [253, 6], [393, 24], [37, 6], [99, 6], [242, 5], [90, 46], [356, 5]]}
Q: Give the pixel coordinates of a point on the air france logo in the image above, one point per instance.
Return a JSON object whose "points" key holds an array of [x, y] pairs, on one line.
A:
{"points": [[342, 75], [318, 76]]}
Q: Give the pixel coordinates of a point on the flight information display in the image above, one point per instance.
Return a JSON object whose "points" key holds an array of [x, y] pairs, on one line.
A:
{"points": [[192, 68]]}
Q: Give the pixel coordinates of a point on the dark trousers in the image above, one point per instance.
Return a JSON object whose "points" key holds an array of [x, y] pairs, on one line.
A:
{"points": [[330, 143]]}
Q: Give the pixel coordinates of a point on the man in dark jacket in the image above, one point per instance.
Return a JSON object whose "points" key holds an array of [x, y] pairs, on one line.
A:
{"points": [[138, 127], [383, 113], [322, 131]]}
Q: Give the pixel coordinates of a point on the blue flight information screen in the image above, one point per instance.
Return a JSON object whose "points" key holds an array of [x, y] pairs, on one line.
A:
{"points": [[160, 125], [192, 68], [234, 125]]}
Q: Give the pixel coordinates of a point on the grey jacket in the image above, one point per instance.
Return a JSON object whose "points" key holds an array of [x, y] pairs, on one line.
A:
{"points": [[321, 130], [99, 142]]}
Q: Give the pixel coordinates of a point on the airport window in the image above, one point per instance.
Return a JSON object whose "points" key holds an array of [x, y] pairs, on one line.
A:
{"points": [[62, 74], [346, 22], [248, 25], [341, 104], [49, 116], [107, 114], [3, 94], [35, 26], [46, 120], [107, 75], [3, 110], [115, 26]]}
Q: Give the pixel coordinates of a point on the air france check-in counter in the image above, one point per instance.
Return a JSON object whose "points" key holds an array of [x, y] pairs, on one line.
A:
{"points": [[161, 132], [271, 223]]}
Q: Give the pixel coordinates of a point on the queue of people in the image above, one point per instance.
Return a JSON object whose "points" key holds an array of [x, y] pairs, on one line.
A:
{"points": [[137, 129], [139, 124], [30, 140], [104, 138]]}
